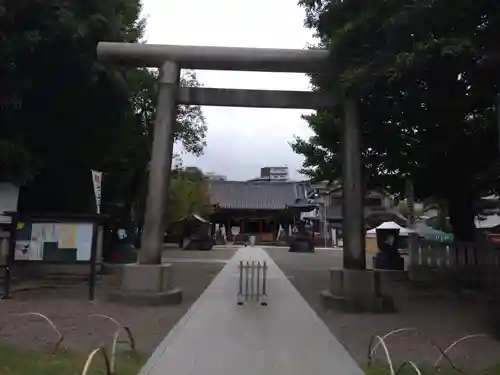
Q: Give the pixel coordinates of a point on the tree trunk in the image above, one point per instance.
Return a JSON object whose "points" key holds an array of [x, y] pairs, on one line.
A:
{"points": [[461, 211], [133, 193]]}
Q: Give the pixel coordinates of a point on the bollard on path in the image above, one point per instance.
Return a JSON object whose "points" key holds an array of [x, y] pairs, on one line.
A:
{"points": [[252, 282]]}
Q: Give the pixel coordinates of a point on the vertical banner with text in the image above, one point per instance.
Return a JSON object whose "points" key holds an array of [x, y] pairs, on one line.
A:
{"points": [[97, 181]]}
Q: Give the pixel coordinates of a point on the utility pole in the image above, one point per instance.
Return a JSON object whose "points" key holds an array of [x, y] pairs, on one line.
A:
{"points": [[325, 221], [498, 121], [410, 201], [498, 135], [412, 236]]}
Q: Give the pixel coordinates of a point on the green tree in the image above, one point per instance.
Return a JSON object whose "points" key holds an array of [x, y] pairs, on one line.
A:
{"points": [[60, 108], [188, 194], [426, 91], [129, 181], [404, 209], [62, 112]]}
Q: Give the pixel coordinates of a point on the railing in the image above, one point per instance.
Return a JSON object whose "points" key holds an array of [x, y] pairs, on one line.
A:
{"points": [[462, 254], [462, 264]]}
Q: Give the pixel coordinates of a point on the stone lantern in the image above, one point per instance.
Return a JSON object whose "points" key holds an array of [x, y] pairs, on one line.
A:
{"points": [[388, 256]]}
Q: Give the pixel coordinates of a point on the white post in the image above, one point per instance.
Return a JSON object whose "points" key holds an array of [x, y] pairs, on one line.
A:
{"points": [[413, 237], [324, 222]]}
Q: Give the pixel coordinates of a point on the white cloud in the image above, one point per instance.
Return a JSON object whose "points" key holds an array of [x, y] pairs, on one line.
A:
{"points": [[240, 140]]}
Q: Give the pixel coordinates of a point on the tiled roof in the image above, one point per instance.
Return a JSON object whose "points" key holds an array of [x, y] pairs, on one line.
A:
{"points": [[335, 212], [256, 195]]}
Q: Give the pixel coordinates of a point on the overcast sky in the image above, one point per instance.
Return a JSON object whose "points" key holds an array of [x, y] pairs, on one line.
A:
{"points": [[236, 147]]}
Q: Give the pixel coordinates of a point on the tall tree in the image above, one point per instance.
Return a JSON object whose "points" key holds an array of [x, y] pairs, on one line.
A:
{"points": [[62, 112], [128, 188], [188, 194], [56, 100], [426, 92]]}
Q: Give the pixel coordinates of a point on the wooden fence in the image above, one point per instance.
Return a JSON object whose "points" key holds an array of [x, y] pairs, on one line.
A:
{"points": [[469, 265], [442, 256]]}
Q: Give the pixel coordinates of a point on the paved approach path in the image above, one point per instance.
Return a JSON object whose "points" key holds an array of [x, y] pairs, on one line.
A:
{"points": [[218, 337]]}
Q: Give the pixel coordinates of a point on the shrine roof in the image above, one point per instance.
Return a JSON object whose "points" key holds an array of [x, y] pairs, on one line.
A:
{"points": [[257, 195]]}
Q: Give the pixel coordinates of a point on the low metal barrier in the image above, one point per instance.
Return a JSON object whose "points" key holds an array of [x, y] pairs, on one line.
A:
{"points": [[252, 282]]}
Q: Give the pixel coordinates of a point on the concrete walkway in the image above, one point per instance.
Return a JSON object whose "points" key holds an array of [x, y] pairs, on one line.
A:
{"points": [[218, 337], [198, 260]]}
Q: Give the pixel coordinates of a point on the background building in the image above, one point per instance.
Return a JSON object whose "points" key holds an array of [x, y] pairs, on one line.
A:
{"points": [[258, 208], [215, 177], [328, 217], [273, 174]]}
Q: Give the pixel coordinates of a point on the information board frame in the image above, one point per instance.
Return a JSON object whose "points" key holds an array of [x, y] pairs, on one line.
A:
{"points": [[45, 218]]}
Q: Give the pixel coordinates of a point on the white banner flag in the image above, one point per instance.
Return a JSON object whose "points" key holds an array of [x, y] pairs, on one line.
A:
{"points": [[97, 180]]}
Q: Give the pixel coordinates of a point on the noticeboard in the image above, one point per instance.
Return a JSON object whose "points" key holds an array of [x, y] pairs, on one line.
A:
{"points": [[53, 242], [53, 239]]}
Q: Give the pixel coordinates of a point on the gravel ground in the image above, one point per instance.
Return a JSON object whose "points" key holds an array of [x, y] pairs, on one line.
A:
{"points": [[443, 319], [70, 311]]}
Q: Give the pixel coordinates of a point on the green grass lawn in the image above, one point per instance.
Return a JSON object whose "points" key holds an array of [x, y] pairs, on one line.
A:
{"points": [[15, 361], [382, 369]]}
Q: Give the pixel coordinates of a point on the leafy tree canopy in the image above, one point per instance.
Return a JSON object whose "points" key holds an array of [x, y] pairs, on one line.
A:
{"points": [[62, 112], [424, 74], [188, 194]]}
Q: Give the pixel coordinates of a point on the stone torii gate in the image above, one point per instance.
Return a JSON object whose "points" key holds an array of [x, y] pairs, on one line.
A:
{"points": [[147, 281]]}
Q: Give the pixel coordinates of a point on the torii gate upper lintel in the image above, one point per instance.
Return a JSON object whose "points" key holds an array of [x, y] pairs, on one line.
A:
{"points": [[214, 58], [170, 59]]}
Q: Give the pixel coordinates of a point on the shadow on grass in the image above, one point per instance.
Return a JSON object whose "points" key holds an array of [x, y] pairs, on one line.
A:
{"points": [[378, 368], [17, 361]]}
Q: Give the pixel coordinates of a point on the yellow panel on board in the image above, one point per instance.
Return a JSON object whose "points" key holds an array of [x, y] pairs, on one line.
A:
{"points": [[67, 236]]}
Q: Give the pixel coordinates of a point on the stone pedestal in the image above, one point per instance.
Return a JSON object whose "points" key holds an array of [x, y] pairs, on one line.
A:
{"points": [[388, 257], [199, 241], [145, 284], [301, 246], [356, 291], [385, 261], [301, 243]]}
